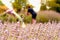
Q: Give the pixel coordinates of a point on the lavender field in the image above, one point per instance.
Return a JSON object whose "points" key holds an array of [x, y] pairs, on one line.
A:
{"points": [[38, 31], [47, 25]]}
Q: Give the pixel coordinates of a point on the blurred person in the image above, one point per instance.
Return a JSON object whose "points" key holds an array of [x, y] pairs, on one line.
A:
{"points": [[33, 13], [9, 12], [8, 4]]}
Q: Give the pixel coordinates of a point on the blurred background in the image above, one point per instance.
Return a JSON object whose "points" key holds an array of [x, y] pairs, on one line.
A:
{"points": [[49, 10]]}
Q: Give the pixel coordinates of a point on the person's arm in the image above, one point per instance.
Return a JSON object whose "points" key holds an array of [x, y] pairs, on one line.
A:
{"points": [[27, 13], [10, 12]]}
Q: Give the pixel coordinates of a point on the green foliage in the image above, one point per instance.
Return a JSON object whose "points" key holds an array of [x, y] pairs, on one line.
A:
{"points": [[58, 1], [55, 5], [58, 8], [43, 7], [1, 3], [42, 17], [28, 19], [51, 4], [8, 17], [3, 17], [18, 4]]}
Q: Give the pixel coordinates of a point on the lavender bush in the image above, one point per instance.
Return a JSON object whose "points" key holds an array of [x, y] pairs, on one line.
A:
{"points": [[38, 31]]}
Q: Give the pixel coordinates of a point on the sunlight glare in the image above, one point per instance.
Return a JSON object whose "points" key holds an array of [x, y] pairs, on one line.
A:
{"points": [[36, 4]]}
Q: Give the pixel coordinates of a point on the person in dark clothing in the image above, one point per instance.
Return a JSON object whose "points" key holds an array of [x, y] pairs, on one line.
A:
{"points": [[33, 13]]}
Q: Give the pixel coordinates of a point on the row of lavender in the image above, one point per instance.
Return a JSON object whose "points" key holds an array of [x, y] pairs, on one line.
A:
{"points": [[39, 31]]}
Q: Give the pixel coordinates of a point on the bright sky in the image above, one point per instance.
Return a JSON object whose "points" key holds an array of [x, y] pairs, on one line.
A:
{"points": [[36, 4], [7, 3]]}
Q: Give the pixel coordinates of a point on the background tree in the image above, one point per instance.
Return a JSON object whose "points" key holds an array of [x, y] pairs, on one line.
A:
{"points": [[58, 8], [18, 4], [1, 3], [54, 4]]}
